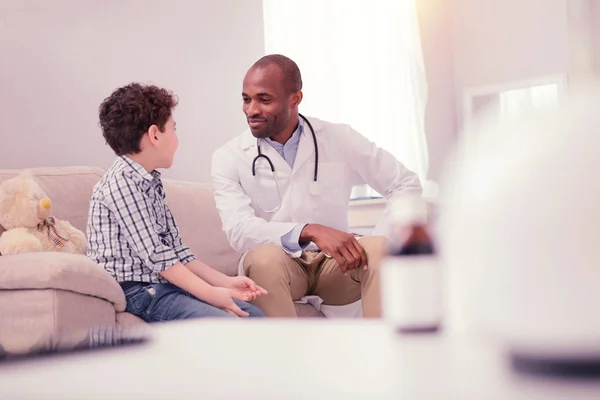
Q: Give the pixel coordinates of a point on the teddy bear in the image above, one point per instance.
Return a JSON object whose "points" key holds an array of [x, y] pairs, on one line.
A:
{"points": [[26, 216]]}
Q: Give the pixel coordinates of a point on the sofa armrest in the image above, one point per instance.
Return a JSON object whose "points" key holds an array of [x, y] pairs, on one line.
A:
{"points": [[52, 270]]}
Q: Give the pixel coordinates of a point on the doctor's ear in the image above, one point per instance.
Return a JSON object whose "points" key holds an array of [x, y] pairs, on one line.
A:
{"points": [[296, 98]]}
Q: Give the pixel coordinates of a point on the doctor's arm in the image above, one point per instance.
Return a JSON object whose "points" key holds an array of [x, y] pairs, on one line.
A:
{"points": [[243, 228], [380, 170]]}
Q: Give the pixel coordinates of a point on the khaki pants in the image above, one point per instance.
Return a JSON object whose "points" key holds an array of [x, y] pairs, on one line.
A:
{"points": [[287, 279]]}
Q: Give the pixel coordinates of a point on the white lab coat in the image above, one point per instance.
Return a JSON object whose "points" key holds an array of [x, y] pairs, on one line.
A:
{"points": [[346, 158]]}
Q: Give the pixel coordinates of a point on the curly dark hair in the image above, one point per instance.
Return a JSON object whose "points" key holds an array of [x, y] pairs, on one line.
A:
{"points": [[130, 111]]}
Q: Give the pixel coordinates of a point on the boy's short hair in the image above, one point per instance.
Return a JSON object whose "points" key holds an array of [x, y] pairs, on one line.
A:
{"points": [[129, 112]]}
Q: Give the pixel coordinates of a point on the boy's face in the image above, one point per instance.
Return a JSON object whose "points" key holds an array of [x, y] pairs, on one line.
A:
{"points": [[168, 143]]}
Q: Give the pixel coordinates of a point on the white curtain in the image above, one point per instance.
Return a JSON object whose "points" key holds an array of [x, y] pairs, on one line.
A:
{"points": [[362, 64]]}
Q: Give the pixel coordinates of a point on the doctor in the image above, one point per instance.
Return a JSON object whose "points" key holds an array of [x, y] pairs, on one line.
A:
{"points": [[282, 189]]}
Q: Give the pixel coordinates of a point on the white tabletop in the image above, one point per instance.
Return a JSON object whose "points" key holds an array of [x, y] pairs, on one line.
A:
{"points": [[290, 359]]}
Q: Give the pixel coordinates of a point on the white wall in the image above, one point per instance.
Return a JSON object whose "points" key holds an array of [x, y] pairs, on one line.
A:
{"points": [[595, 32], [497, 42], [60, 58], [470, 43], [581, 41]]}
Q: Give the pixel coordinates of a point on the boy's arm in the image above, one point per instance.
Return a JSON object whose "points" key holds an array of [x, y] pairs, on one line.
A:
{"points": [[180, 276], [208, 274]]}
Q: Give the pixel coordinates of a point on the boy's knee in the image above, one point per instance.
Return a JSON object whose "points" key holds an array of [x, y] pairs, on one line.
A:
{"points": [[250, 308], [255, 312]]}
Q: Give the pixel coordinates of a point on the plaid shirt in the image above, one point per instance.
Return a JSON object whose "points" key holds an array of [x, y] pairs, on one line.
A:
{"points": [[131, 231]]}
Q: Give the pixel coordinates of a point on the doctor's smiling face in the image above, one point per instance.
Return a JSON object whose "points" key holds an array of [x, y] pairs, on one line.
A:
{"points": [[271, 95]]}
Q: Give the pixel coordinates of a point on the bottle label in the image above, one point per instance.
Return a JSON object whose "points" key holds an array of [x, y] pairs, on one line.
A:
{"points": [[411, 291]]}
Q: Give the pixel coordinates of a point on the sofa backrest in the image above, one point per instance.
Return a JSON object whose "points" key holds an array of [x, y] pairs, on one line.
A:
{"points": [[192, 205]]}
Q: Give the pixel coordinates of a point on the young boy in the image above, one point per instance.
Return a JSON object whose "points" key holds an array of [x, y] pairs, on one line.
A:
{"points": [[131, 231]]}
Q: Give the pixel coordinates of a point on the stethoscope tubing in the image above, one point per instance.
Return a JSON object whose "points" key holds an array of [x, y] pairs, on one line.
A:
{"points": [[261, 155]]}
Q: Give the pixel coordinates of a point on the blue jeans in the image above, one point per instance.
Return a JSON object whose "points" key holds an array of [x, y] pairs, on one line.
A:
{"points": [[166, 302]]}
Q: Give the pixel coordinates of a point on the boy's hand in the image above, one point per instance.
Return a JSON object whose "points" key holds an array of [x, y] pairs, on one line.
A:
{"points": [[245, 287], [223, 299], [220, 297]]}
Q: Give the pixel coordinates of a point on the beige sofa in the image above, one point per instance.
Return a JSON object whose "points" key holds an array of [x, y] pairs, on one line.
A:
{"points": [[45, 296]]}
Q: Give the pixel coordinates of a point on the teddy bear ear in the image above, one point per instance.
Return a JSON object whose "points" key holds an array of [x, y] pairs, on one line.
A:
{"points": [[26, 177], [26, 174]]}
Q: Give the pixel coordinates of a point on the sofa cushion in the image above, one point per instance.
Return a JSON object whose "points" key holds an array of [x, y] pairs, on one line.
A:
{"points": [[307, 311], [52, 270], [43, 319], [126, 320]]}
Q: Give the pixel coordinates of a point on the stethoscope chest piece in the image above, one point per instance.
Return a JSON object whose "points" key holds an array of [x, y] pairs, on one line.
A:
{"points": [[314, 188]]}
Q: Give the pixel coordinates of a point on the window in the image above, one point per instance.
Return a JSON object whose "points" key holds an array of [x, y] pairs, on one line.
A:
{"points": [[362, 65], [510, 100], [513, 102]]}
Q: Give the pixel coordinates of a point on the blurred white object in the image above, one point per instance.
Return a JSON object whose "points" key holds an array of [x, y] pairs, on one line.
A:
{"points": [[410, 273], [520, 231]]}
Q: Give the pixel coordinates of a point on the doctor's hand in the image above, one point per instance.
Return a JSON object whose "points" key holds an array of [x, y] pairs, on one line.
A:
{"points": [[342, 246]]}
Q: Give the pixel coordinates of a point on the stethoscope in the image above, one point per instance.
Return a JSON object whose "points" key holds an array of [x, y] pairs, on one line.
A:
{"points": [[313, 187]]}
